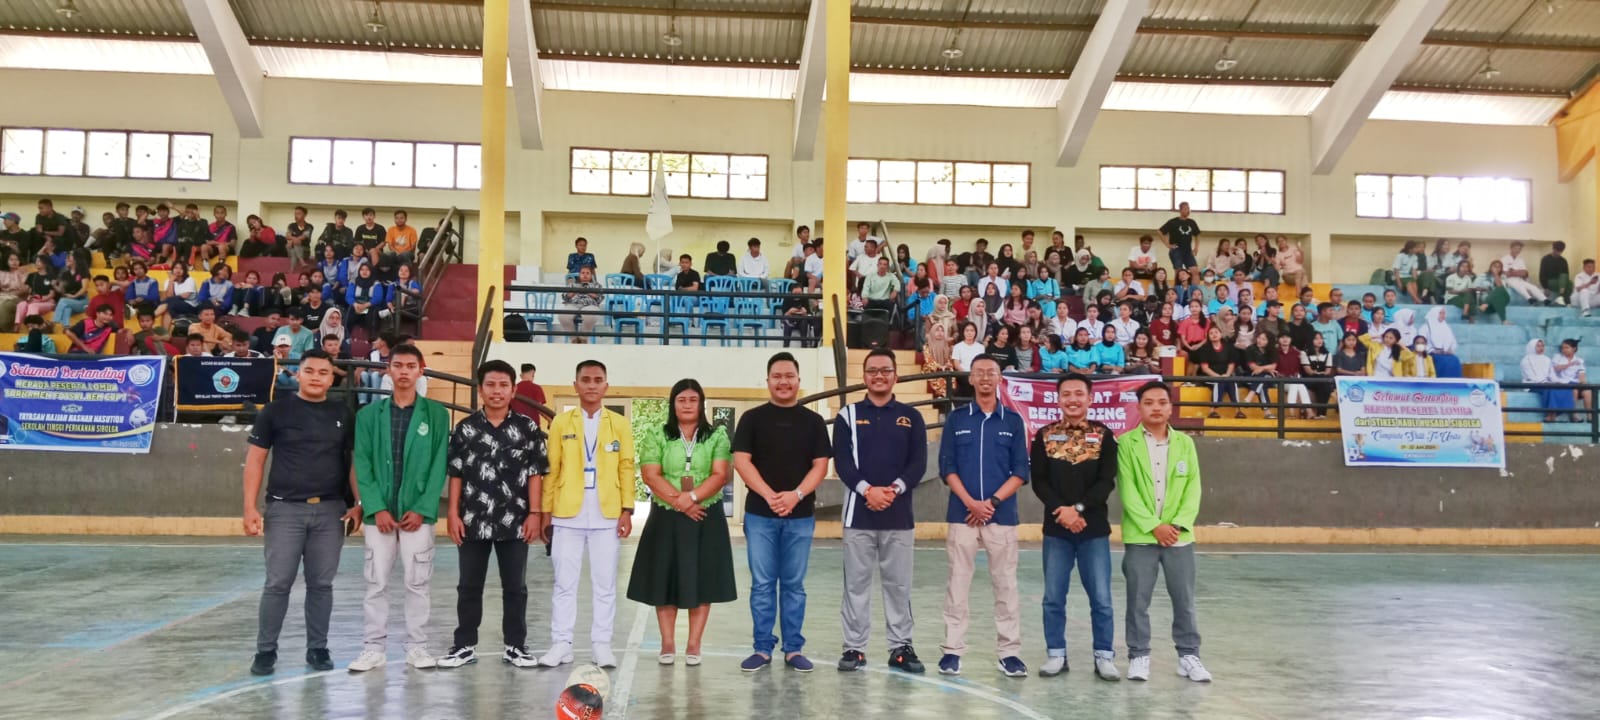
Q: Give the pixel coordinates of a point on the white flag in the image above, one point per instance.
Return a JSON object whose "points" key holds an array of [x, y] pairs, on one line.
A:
{"points": [[658, 224]]}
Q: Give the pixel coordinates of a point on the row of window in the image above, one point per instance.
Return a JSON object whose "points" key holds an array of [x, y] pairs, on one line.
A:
{"points": [[67, 152]]}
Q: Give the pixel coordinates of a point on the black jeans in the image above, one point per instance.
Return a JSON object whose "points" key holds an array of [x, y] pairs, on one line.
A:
{"points": [[513, 558]]}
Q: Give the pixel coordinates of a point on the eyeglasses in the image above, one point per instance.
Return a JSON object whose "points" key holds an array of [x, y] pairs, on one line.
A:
{"points": [[880, 371]]}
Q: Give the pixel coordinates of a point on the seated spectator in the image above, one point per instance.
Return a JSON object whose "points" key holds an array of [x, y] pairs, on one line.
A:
{"points": [[1569, 370], [1221, 263], [338, 349], [1053, 356], [285, 382], [178, 297], [1044, 288], [951, 283], [1142, 259], [218, 291], [41, 293], [1215, 359], [261, 339], [1164, 329], [35, 338], [576, 299], [919, 304], [13, 239], [1290, 262], [351, 263], [722, 262], [1458, 289], [333, 326], [1244, 303], [372, 378], [1081, 355], [1404, 270], [1586, 288], [1028, 352], [91, 334], [1075, 276], [1405, 322], [261, 240], [1006, 259], [1227, 323], [211, 334], [1109, 357], [1015, 309], [1441, 343], [404, 294], [1351, 359], [988, 312], [687, 278], [1389, 357], [963, 353], [1002, 288], [631, 265], [865, 263], [1062, 323], [142, 289], [220, 237], [340, 237], [1261, 360], [1516, 276], [881, 288], [142, 341], [401, 240], [367, 299], [193, 232], [1352, 322], [1143, 356], [71, 288], [13, 291], [966, 300], [1380, 322], [1490, 292], [1316, 364], [249, 297], [239, 345], [1539, 368], [1244, 332], [1326, 324], [1127, 288], [1001, 348], [301, 338], [812, 264], [1100, 284], [332, 270], [1092, 322], [106, 294], [1238, 282], [1554, 274], [1264, 263], [1124, 325], [194, 346], [942, 316], [1221, 299], [313, 309], [1272, 322]]}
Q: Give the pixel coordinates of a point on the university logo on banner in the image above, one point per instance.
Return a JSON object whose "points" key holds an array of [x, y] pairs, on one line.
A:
{"points": [[1421, 422], [96, 405], [224, 383], [1115, 402]]}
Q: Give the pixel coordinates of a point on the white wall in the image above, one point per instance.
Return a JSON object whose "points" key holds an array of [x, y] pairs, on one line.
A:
{"points": [[655, 366], [543, 217]]}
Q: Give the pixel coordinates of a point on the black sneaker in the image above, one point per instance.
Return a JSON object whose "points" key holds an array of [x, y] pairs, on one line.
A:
{"points": [[458, 656], [904, 658], [319, 660], [852, 660], [519, 657], [263, 664]]}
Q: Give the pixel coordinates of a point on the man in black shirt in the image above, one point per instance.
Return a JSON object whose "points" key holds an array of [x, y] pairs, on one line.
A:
{"points": [[297, 239], [1179, 235], [193, 232], [369, 232], [1074, 469], [781, 452], [337, 235], [14, 240], [497, 461], [47, 225], [721, 262], [1554, 274], [688, 279], [310, 440], [120, 238]]}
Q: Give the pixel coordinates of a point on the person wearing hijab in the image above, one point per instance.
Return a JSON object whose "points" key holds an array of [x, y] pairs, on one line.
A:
{"points": [[333, 326], [630, 264], [936, 358], [364, 297], [1405, 322], [1109, 357], [666, 262], [942, 316], [1441, 343], [1538, 368], [1078, 274]]}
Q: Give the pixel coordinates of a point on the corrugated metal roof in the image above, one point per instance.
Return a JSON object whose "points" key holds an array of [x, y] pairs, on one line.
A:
{"points": [[899, 46], [867, 87], [408, 24], [137, 17], [639, 35], [1457, 67], [1050, 11], [1480, 18], [393, 67], [1571, 22], [1195, 57], [668, 79]]}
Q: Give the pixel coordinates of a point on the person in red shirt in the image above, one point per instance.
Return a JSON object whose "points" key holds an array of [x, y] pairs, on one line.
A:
{"points": [[1162, 329], [104, 294], [527, 393], [91, 334]]}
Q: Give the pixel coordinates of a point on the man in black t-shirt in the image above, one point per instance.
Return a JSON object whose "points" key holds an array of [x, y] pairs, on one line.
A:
{"points": [[341, 238], [297, 239], [688, 278], [369, 233], [781, 452], [310, 439], [48, 225], [1179, 235]]}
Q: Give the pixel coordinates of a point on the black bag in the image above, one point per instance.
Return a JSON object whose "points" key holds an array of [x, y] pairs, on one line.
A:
{"points": [[516, 329]]}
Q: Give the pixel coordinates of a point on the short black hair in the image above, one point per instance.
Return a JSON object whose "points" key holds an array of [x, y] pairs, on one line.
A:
{"points": [[527, 367], [368, 211], [1588, 261], [782, 357], [587, 364], [1325, 306], [1152, 386], [98, 278], [104, 308], [686, 256], [238, 335], [407, 349], [983, 357], [722, 246], [1558, 246], [1088, 383], [484, 370], [340, 213], [315, 354], [878, 352], [195, 338], [297, 312], [144, 310], [1353, 304], [754, 242], [802, 228]]}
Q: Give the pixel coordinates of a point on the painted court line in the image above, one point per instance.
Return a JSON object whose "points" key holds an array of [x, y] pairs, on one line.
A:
{"points": [[252, 687], [623, 688]]}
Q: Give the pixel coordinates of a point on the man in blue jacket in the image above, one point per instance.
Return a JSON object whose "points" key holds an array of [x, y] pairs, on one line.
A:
{"points": [[983, 457], [880, 450]]}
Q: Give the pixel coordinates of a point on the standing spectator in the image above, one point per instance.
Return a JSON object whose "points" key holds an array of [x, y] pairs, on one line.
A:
{"points": [[685, 559], [1180, 235], [497, 463], [721, 262], [13, 239], [983, 458], [1554, 275], [400, 459], [1585, 288], [1516, 276], [753, 264], [880, 451], [310, 440], [339, 237], [1074, 469], [580, 257], [528, 393], [589, 501], [401, 240], [1159, 474], [781, 452]]}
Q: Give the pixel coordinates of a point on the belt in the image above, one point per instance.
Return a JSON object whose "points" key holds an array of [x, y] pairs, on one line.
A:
{"points": [[306, 501]]}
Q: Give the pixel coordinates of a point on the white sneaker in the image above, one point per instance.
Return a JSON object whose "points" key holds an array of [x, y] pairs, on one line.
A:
{"points": [[368, 660], [601, 654], [1106, 669], [1139, 668], [1052, 666], [1189, 666], [419, 658], [559, 655], [1561, 301]]}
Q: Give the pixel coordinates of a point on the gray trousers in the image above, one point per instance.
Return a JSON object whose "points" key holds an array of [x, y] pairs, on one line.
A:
{"points": [[890, 553], [1140, 563], [295, 531]]}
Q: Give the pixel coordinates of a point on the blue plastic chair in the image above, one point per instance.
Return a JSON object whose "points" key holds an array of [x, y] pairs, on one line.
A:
{"points": [[545, 303], [681, 310], [619, 280], [656, 282], [750, 306], [627, 306]]}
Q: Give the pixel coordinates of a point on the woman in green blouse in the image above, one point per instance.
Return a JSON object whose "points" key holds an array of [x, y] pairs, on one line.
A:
{"points": [[685, 559]]}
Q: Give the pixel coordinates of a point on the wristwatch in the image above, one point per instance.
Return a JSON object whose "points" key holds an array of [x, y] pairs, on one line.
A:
{"points": [[799, 494], [994, 501], [1079, 508], [692, 497]]}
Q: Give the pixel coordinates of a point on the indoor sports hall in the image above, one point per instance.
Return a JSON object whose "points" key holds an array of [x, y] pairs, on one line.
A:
{"points": [[1026, 358]]}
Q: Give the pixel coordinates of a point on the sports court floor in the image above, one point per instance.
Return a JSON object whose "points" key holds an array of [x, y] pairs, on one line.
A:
{"points": [[151, 629]]}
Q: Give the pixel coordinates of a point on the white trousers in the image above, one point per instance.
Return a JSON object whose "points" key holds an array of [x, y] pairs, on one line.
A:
{"points": [[1586, 299], [1297, 393], [567, 549], [1527, 290], [415, 550]]}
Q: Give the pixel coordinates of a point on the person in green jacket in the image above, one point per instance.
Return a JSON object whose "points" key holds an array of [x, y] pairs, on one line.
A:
{"points": [[1159, 481], [400, 450]]}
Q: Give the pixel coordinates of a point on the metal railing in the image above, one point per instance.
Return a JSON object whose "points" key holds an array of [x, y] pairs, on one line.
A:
{"points": [[1282, 426], [694, 312]]}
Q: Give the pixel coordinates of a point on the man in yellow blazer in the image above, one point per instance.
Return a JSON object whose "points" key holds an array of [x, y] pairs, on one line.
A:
{"points": [[588, 506]]}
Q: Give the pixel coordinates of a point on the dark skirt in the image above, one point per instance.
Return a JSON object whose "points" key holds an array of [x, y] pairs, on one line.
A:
{"points": [[683, 563]]}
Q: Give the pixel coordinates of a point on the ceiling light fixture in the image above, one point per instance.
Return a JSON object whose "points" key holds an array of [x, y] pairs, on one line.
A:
{"points": [[671, 38], [1551, 6], [1227, 61], [952, 53], [67, 9], [375, 21], [1488, 71]]}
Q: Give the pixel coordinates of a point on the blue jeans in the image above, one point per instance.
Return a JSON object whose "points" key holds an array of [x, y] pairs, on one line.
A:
{"points": [[779, 551], [1093, 558], [67, 307]]}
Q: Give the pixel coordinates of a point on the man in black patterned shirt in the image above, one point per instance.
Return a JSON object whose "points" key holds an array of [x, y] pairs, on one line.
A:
{"points": [[497, 462]]}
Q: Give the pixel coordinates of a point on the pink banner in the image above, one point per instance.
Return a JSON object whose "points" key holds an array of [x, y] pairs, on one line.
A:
{"points": [[1114, 401]]}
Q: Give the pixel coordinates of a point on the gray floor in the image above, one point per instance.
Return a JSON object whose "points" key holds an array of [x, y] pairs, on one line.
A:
{"points": [[142, 629]]}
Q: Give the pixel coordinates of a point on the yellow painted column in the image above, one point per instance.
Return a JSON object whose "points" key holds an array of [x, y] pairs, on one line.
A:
{"points": [[492, 195], [836, 136]]}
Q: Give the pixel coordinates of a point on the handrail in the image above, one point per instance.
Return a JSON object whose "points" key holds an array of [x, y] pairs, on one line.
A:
{"points": [[667, 315], [484, 334]]}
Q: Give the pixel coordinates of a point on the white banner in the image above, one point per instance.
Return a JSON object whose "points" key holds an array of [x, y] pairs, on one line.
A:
{"points": [[1421, 422]]}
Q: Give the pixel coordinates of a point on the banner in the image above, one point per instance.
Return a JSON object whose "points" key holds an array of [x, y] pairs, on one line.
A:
{"points": [[224, 383], [104, 405], [1421, 422], [1114, 403]]}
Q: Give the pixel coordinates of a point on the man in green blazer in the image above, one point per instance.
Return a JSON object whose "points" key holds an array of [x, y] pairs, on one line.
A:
{"points": [[400, 448], [1159, 480]]}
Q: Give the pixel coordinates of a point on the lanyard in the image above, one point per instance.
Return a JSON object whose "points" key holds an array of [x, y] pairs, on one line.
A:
{"points": [[688, 451]]}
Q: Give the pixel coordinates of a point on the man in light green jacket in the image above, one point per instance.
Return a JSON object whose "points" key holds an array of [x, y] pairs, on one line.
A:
{"points": [[400, 449], [1159, 481]]}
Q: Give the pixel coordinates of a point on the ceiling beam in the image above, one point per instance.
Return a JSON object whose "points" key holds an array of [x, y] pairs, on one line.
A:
{"points": [[233, 63], [809, 85], [1340, 114], [1092, 75], [527, 90]]}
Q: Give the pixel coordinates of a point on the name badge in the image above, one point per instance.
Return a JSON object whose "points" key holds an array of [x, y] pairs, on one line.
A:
{"points": [[1056, 438], [1183, 467], [615, 446], [589, 474]]}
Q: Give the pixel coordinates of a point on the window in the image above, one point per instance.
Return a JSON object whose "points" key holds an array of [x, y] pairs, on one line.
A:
{"points": [[1218, 190], [65, 152], [1443, 197], [711, 176], [385, 163], [937, 182]]}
